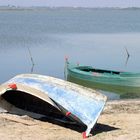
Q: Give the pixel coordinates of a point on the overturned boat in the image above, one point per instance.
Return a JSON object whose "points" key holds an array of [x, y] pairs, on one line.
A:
{"points": [[50, 96]]}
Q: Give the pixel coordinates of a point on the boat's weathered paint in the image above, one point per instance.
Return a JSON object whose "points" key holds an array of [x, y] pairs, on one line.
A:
{"points": [[115, 81], [73, 100]]}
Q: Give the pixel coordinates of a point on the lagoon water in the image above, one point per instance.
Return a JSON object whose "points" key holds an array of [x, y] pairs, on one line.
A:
{"points": [[96, 37]]}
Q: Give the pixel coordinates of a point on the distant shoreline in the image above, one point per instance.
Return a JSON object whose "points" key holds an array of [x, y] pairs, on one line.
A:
{"points": [[65, 8]]}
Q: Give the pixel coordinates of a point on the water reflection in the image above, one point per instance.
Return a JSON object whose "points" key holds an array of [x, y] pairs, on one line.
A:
{"points": [[110, 95], [113, 92], [32, 68]]}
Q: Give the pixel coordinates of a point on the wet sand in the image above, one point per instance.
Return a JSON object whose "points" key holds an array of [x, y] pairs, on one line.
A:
{"points": [[120, 120]]}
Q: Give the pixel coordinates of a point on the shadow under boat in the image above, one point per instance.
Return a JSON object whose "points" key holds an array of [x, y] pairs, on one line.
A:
{"points": [[25, 104]]}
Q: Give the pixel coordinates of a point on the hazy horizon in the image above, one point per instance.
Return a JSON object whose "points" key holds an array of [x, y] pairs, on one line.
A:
{"points": [[72, 3]]}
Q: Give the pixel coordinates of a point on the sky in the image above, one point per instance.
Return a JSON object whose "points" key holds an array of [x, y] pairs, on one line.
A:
{"points": [[72, 3]]}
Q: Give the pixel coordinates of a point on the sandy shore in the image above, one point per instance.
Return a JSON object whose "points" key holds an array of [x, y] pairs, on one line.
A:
{"points": [[120, 120]]}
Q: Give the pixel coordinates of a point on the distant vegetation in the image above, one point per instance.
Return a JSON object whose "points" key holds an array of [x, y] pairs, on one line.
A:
{"points": [[12, 7]]}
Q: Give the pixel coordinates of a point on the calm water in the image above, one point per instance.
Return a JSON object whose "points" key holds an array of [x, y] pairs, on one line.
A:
{"points": [[96, 37]]}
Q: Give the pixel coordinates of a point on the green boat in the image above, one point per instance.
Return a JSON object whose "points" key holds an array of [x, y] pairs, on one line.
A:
{"points": [[127, 84]]}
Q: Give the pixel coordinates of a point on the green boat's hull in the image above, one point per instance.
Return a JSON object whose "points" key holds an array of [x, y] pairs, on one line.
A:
{"points": [[126, 84]]}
